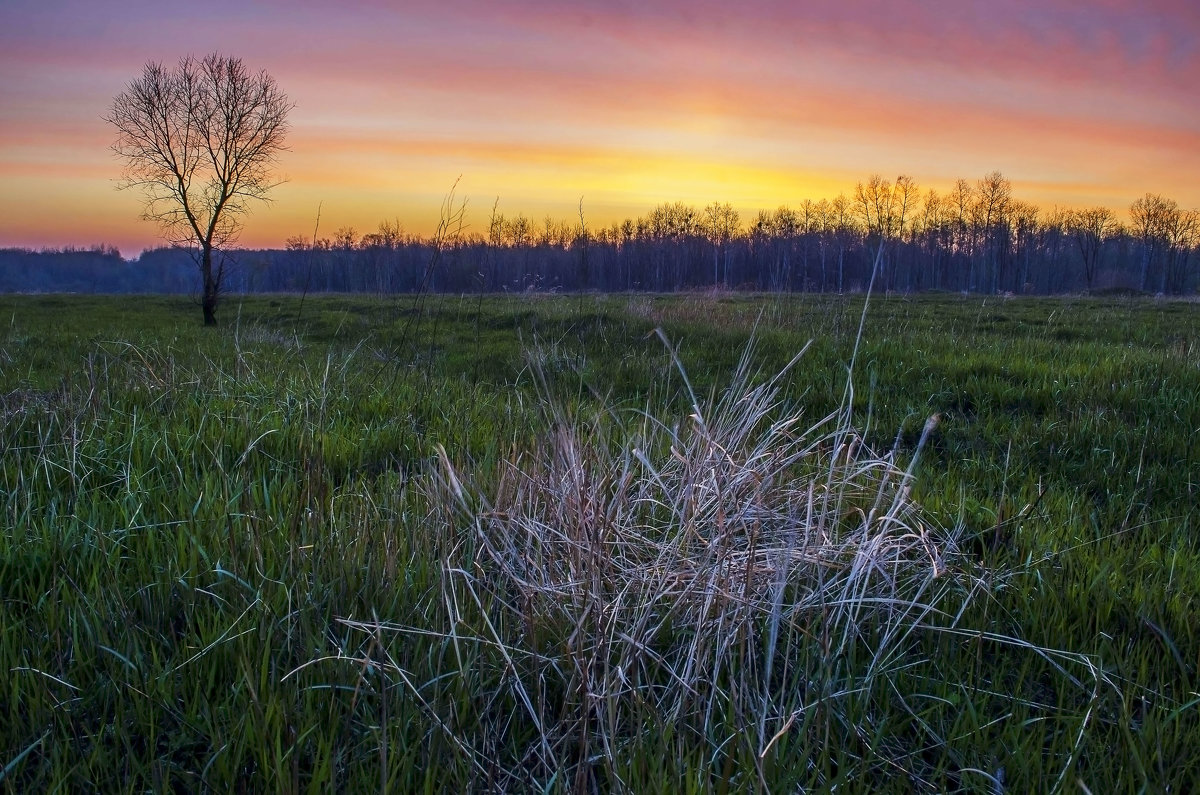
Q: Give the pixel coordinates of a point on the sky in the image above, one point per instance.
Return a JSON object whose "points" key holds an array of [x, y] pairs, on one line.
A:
{"points": [[539, 105]]}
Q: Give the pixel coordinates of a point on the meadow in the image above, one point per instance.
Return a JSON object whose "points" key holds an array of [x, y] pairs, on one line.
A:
{"points": [[528, 543]]}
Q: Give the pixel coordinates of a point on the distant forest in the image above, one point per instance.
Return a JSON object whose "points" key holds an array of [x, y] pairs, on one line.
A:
{"points": [[976, 238]]}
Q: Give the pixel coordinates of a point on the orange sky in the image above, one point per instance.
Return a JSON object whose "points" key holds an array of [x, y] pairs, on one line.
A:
{"points": [[625, 104]]}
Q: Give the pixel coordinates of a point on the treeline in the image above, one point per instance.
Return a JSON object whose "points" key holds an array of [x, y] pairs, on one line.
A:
{"points": [[98, 269], [976, 238]]}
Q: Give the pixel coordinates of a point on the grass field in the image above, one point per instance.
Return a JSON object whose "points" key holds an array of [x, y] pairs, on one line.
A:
{"points": [[521, 544]]}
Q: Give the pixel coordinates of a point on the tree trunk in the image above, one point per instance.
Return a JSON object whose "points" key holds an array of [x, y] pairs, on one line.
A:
{"points": [[208, 301]]}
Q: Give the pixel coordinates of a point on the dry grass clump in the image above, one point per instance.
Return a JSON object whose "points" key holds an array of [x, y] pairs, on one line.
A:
{"points": [[719, 579]]}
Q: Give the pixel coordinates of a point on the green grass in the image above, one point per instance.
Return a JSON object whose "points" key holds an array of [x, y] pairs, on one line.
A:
{"points": [[229, 558]]}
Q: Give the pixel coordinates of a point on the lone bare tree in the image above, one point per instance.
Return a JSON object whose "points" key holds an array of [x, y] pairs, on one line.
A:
{"points": [[201, 141]]}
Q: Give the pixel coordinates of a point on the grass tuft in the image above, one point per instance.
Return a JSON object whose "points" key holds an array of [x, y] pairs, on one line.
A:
{"points": [[737, 578]]}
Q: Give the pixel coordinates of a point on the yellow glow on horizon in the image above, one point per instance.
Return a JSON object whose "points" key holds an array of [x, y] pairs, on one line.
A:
{"points": [[612, 186], [64, 192]]}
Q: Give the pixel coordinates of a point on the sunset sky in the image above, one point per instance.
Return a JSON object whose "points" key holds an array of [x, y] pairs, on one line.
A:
{"points": [[625, 104]]}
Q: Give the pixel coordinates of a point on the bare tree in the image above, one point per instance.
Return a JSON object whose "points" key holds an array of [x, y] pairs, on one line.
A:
{"points": [[518, 232], [346, 238], [1167, 234], [884, 209], [993, 200], [1151, 217], [904, 203], [873, 202], [1089, 228], [964, 239], [1025, 229], [721, 224], [201, 141], [1054, 234], [843, 224], [1183, 235], [904, 199]]}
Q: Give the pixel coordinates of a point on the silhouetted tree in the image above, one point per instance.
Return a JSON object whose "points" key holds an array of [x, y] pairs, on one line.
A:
{"points": [[1167, 235], [843, 229], [1089, 228], [721, 224], [884, 209], [201, 141], [962, 200], [1183, 235], [1025, 241], [993, 196], [1054, 242], [934, 234], [873, 203], [1151, 217]]}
